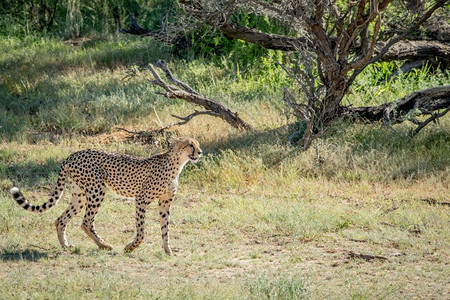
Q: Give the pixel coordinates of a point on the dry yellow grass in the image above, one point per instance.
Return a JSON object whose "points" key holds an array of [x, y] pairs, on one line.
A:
{"points": [[256, 218]]}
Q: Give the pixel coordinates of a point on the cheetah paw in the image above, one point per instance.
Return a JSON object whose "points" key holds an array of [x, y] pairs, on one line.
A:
{"points": [[106, 247]]}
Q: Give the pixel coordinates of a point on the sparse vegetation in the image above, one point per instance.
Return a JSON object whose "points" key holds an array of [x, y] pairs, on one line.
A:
{"points": [[256, 218]]}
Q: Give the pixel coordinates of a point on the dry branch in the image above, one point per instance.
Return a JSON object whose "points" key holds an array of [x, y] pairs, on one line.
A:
{"points": [[151, 136], [172, 79], [147, 137], [183, 91], [263, 39], [367, 257], [433, 118], [426, 101], [434, 202]]}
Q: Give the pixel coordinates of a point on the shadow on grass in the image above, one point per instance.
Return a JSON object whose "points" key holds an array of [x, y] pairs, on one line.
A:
{"points": [[260, 143], [96, 107], [247, 140], [33, 91], [30, 174], [125, 51], [349, 148], [27, 255]]}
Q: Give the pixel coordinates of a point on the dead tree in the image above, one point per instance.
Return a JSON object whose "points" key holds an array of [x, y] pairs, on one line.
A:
{"points": [[180, 90], [342, 42], [329, 45]]}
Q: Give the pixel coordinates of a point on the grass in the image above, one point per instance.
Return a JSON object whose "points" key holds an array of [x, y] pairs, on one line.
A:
{"points": [[254, 219]]}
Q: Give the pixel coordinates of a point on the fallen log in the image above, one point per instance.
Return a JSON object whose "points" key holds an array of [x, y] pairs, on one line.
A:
{"points": [[433, 51], [425, 102]]}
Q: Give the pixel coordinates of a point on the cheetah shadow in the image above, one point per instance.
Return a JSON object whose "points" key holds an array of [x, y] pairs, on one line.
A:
{"points": [[25, 255]]}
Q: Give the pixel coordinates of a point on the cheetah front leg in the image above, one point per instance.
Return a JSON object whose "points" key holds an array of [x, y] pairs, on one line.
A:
{"points": [[164, 215], [141, 208]]}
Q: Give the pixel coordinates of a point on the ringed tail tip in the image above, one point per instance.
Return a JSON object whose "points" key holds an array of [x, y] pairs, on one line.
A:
{"points": [[15, 192]]}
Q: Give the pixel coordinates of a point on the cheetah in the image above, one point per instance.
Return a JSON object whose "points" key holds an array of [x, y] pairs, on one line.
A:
{"points": [[145, 179]]}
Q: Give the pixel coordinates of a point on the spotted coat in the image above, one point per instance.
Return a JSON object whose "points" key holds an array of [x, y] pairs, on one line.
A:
{"points": [[145, 179]]}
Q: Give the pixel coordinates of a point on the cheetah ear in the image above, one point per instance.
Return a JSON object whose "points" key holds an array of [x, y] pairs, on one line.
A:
{"points": [[170, 140]]}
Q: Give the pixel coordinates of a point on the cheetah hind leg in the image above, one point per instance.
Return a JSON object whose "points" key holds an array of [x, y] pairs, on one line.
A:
{"points": [[94, 199], [76, 204]]}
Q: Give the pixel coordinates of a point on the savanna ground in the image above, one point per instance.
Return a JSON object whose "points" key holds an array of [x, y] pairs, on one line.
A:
{"points": [[256, 218]]}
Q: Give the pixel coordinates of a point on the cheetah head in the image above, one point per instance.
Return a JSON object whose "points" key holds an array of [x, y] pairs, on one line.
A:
{"points": [[187, 148]]}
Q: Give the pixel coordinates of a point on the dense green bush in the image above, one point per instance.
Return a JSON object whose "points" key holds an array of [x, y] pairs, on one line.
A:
{"points": [[97, 16], [81, 18]]}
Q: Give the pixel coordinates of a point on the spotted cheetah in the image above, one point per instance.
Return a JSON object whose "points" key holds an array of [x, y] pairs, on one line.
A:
{"points": [[145, 179]]}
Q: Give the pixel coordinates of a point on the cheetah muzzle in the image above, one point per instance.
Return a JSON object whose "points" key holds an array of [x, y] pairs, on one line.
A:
{"points": [[145, 179]]}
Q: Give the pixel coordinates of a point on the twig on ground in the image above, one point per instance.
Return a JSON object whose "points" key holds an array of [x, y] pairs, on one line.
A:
{"points": [[367, 257], [434, 202], [148, 137], [386, 211]]}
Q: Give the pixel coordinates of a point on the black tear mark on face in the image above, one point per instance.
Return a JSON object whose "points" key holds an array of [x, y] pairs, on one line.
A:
{"points": [[192, 155]]}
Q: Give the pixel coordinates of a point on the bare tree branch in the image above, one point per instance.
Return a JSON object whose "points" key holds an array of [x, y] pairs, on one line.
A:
{"points": [[433, 117], [172, 79], [419, 21], [213, 107], [148, 137], [416, 50], [369, 47], [196, 113], [263, 39]]}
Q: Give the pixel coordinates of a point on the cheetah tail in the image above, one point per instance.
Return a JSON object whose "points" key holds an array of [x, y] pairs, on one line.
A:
{"points": [[54, 198]]}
